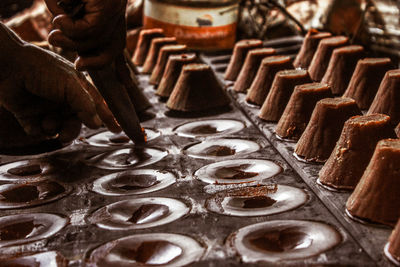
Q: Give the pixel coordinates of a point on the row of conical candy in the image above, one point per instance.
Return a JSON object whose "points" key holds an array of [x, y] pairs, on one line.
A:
{"points": [[189, 85]]}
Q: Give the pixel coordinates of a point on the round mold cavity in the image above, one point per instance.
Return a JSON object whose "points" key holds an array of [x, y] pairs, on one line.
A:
{"points": [[25, 170], [50, 258], [221, 147], [139, 213], [148, 250], [257, 201], [238, 171], [133, 182], [107, 138], [389, 256], [31, 194], [27, 228], [212, 127], [283, 240], [127, 158]]}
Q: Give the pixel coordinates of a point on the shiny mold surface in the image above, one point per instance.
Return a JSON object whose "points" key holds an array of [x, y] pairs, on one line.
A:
{"points": [[133, 182], [127, 158], [257, 201], [213, 127], [221, 147], [238, 171], [148, 250], [140, 213], [107, 138], [284, 240], [26, 228]]}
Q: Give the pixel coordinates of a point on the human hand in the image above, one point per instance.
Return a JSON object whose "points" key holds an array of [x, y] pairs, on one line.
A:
{"points": [[98, 36], [50, 98]]}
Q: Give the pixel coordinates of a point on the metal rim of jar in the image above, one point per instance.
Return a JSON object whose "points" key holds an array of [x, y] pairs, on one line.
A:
{"points": [[199, 3]]}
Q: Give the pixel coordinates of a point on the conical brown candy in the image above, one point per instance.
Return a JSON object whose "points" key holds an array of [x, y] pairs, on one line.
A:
{"points": [[353, 151], [132, 37], [155, 47], [239, 54], [394, 245], [197, 89], [162, 60], [261, 85], [172, 72], [137, 97], [281, 90], [250, 68], [298, 111], [308, 48], [341, 67], [366, 80], [320, 60], [143, 44], [324, 128], [387, 98], [397, 130], [376, 197]]}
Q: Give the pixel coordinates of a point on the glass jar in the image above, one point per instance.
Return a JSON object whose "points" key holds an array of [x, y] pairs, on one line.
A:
{"points": [[200, 24]]}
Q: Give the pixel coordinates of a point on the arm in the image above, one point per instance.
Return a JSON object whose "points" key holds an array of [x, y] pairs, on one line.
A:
{"points": [[45, 93]]}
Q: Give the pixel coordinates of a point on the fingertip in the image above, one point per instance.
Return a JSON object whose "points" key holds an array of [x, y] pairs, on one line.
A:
{"points": [[57, 21], [70, 130], [93, 62], [114, 127], [57, 38], [79, 66]]}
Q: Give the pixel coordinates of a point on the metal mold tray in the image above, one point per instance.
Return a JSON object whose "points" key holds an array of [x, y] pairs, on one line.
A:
{"points": [[79, 238]]}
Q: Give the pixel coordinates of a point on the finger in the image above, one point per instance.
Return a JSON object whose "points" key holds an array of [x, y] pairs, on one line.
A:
{"points": [[74, 28], [57, 38], [70, 129], [82, 103], [102, 109], [94, 62]]}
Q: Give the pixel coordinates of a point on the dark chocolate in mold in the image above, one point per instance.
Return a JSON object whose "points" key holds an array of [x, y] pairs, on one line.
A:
{"points": [[139, 213], [127, 158], [133, 182], [238, 171], [221, 147], [284, 240], [31, 194], [26, 228], [257, 201], [147, 250], [105, 139], [211, 127]]}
